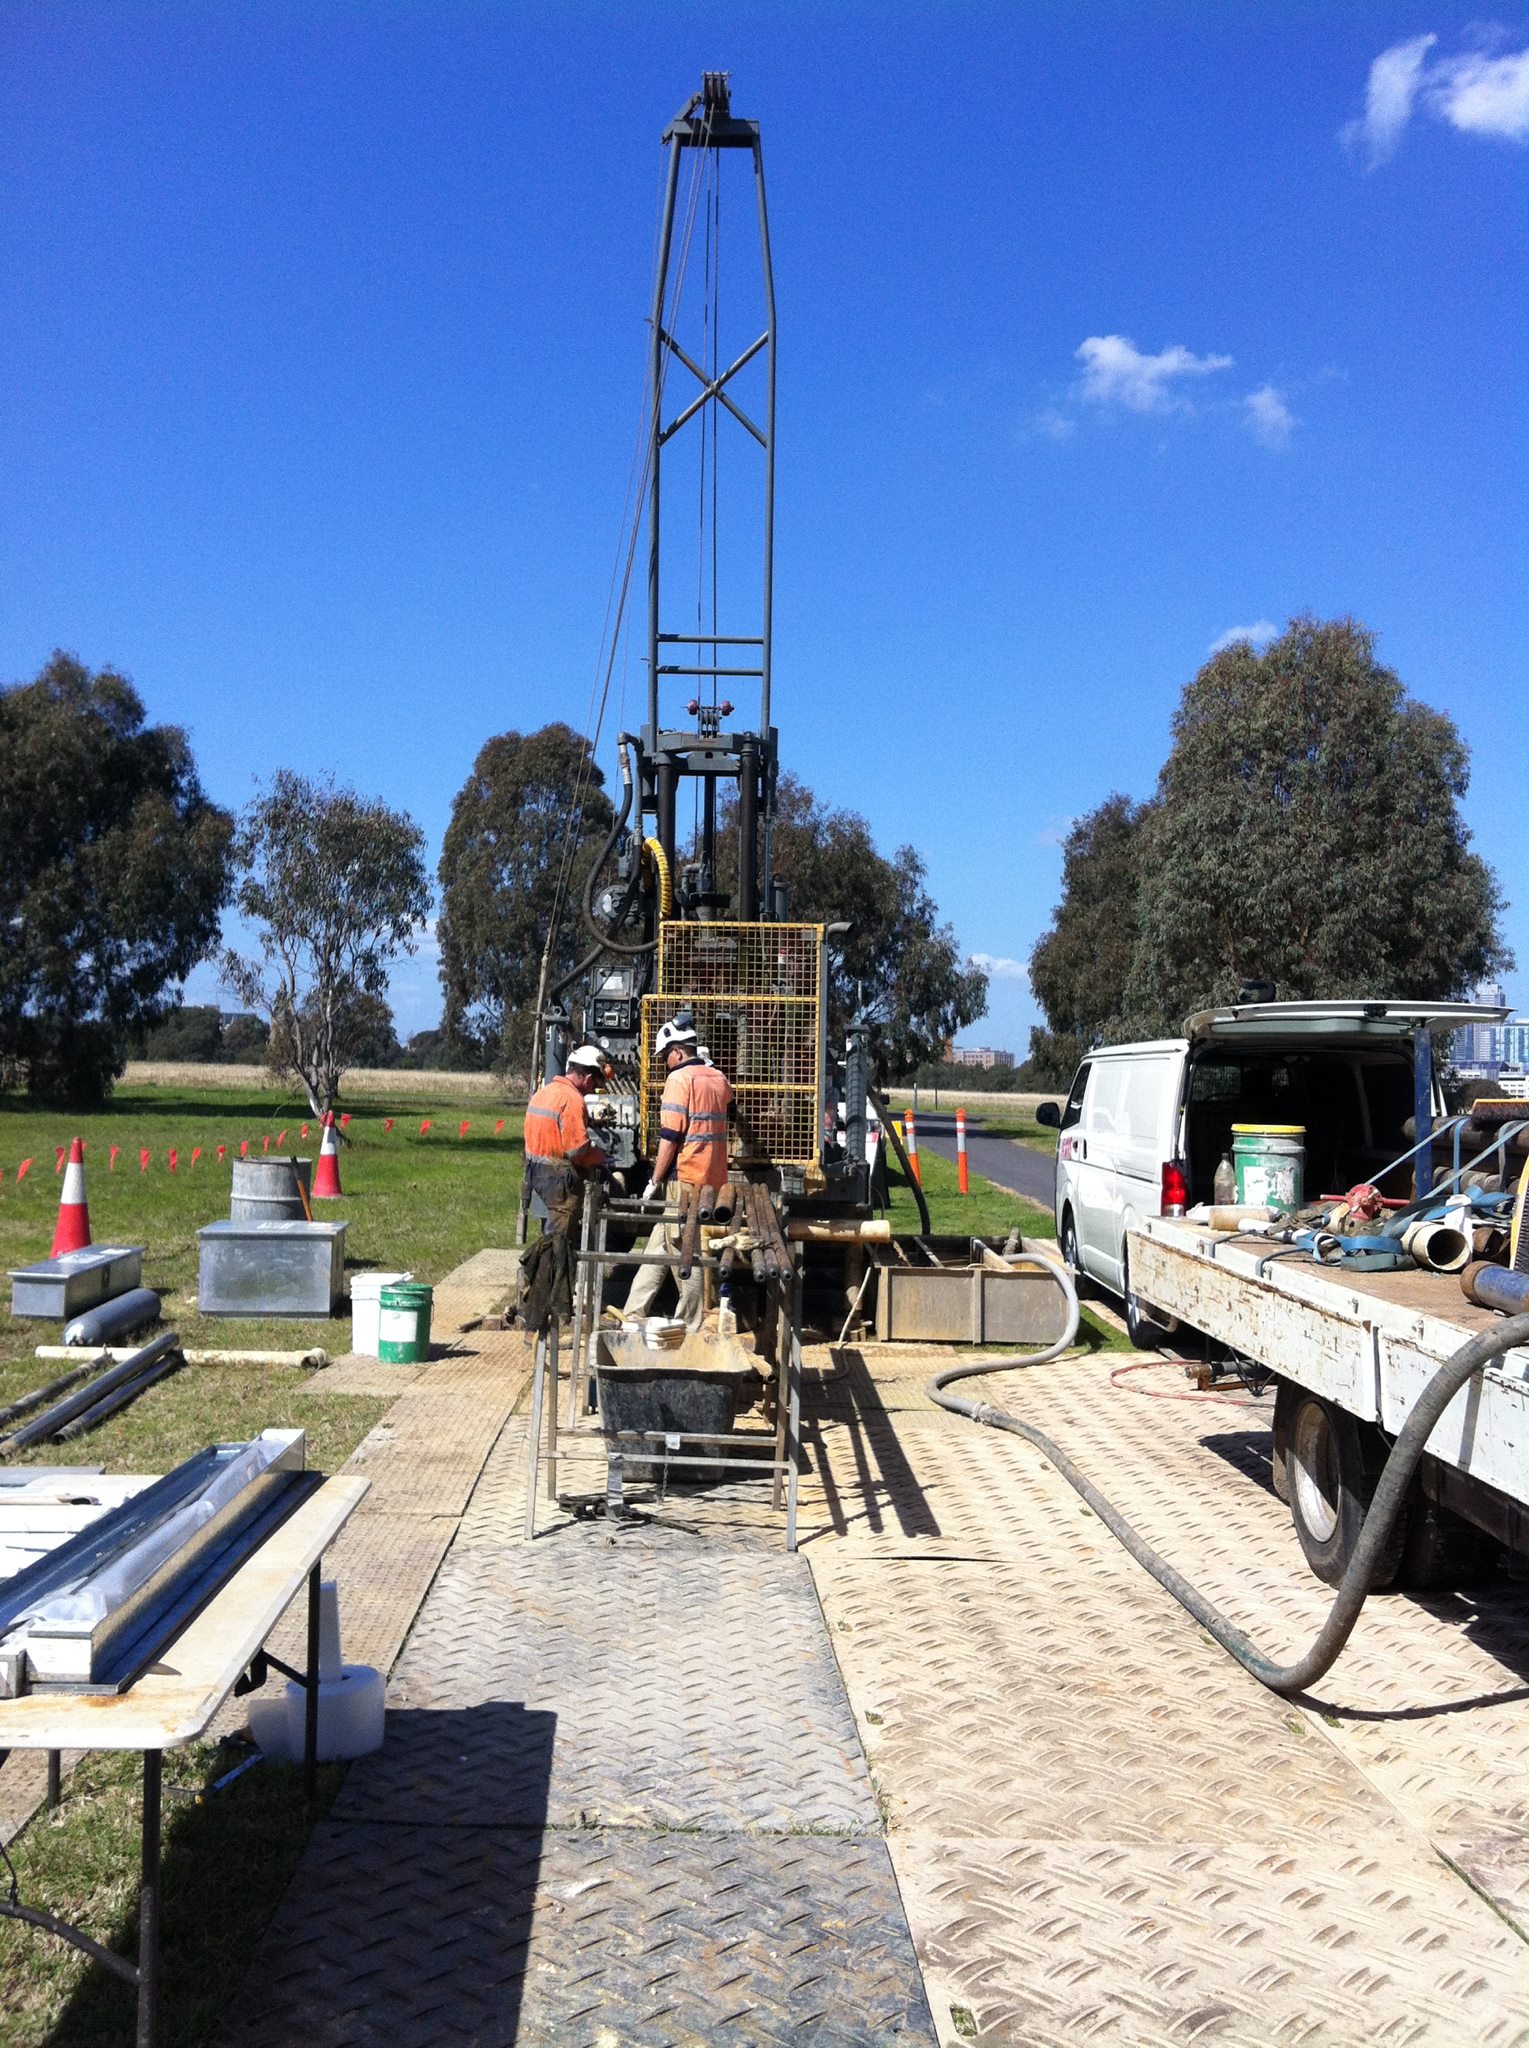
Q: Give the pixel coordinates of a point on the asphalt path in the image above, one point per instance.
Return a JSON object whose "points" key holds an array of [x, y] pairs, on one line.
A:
{"points": [[1004, 1161]]}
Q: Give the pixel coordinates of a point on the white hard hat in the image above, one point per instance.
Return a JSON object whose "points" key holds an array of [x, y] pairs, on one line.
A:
{"points": [[681, 1032], [587, 1056]]}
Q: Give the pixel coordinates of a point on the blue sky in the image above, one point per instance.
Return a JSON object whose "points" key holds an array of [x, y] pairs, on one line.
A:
{"points": [[1104, 330]]}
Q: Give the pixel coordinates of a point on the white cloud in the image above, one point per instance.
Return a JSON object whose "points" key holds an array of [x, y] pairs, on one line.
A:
{"points": [[1268, 418], [1115, 372], [1395, 79], [999, 968], [1054, 424], [1476, 94], [1484, 95], [1260, 633]]}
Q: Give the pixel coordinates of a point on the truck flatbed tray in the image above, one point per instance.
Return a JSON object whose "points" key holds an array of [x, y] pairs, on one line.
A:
{"points": [[1435, 1296], [1370, 1341]]}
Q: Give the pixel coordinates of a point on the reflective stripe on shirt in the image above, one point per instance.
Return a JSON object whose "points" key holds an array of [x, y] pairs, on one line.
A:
{"points": [[694, 1114]]}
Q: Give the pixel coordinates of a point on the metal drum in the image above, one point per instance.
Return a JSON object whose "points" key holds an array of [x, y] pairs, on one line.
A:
{"points": [[266, 1190]]}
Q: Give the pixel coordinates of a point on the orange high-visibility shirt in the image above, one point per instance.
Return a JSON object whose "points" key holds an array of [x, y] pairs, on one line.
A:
{"points": [[694, 1114], [556, 1126]]}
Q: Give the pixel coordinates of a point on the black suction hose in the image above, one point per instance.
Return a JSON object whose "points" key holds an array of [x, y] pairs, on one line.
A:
{"points": [[1389, 1495], [880, 1103]]}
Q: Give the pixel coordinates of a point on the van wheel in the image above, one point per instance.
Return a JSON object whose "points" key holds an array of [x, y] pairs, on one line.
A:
{"points": [[1143, 1330], [1443, 1550], [1332, 1463], [1069, 1245]]}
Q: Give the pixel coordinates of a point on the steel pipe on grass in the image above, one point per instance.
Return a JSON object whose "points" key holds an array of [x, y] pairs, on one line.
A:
{"points": [[53, 1419], [120, 1397], [56, 1387]]}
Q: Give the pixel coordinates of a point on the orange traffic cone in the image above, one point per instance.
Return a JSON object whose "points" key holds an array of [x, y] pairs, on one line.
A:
{"points": [[73, 1231], [326, 1174]]}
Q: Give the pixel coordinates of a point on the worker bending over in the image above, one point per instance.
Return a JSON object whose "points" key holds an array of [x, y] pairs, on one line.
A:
{"points": [[559, 1150], [692, 1146]]}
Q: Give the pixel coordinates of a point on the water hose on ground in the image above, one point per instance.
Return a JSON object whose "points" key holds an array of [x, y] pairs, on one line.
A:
{"points": [[1386, 1504]]}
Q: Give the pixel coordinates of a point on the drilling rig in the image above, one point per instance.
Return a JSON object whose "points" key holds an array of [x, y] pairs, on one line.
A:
{"points": [[698, 923]]}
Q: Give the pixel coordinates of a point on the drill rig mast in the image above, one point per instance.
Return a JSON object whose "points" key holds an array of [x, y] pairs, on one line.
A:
{"points": [[701, 926]]}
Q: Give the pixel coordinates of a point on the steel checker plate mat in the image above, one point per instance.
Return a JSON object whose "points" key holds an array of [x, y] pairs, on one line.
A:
{"points": [[584, 1940], [694, 1690], [1105, 1830], [1428, 1699], [1052, 1945]]}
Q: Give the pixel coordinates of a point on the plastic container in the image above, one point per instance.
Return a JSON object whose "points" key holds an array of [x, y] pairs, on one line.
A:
{"points": [[403, 1323], [1271, 1164], [366, 1309], [1224, 1187]]}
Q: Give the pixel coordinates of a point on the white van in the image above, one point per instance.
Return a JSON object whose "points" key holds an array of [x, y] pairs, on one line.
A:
{"points": [[1145, 1126]]}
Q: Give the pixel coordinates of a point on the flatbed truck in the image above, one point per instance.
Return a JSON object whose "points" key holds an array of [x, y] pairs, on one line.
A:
{"points": [[1349, 1353]]}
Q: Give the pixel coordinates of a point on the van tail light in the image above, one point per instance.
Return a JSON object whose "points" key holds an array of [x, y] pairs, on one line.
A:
{"points": [[1175, 1189]]}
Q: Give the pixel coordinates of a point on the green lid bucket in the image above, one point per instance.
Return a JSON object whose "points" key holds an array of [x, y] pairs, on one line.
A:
{"points": [[403, 1323], [1270, 1160]]}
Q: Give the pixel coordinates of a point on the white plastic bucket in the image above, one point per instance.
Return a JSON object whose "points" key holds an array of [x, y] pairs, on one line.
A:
{"points": [[366, 1310]]}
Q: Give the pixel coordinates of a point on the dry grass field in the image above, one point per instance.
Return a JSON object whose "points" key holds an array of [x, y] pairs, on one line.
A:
{"points": [[368, 1081]]}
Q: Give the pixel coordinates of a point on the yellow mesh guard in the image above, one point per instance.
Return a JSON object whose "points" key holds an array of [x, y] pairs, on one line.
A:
{"points": [[753, 990]]}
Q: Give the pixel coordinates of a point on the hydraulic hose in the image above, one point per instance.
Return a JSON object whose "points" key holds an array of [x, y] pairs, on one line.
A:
{"points": [[1390, 1493], [879, 1102], [607, 944]]}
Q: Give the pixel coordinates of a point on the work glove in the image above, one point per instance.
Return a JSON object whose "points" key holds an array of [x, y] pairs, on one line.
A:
{"points": [[653, 1191]]}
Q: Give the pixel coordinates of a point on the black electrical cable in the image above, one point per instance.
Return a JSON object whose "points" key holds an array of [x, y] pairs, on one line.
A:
{"points": [[1390, 1493]]}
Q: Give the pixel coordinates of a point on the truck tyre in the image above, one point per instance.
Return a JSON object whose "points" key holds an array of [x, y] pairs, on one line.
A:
{"points": [[1332, 1464], [1144, 1331], [1443, 1550], [1285, 1397]]}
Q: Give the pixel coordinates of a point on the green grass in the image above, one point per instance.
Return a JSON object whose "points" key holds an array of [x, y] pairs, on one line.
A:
{"points": [[987, 1211], [422, 1203], [226, 1864]]}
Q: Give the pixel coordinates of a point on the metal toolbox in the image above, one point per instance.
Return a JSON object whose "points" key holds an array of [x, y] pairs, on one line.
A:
{"points": [[270, 1269], [60, 1288], [959, 1290]]}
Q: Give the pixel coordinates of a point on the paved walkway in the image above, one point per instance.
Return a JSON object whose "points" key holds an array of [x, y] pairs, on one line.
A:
{"points": [[631, 1796]]}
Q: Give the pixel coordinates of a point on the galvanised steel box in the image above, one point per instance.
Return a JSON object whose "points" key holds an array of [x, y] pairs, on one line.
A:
{"points": [[270, 1269], [66, 1286]]}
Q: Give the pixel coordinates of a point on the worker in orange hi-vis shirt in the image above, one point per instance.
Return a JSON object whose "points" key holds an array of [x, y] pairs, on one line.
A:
{"points": [[692, 1146], [559, 1149]]}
